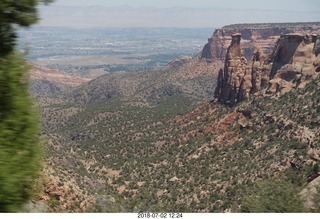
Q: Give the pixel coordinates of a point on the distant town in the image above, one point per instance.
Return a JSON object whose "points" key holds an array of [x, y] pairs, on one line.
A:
{"points": [[105, 50]]}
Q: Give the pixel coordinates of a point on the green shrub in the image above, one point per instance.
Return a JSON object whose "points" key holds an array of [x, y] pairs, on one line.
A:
{"points": [[274, 196], [20, 150]]}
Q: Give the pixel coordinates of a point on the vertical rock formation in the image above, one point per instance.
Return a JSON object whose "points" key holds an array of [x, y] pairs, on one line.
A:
{"points": [[258, 78], [294, 61], [230, 82], [213, 49], [220, 82], [254, 35], [316, 41], [316, 50]]}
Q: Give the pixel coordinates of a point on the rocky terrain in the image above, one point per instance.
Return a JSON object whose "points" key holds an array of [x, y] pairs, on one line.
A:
{"points": [[293, 62], [194, 78], [47, 82], [263, 36], [158, 141]]}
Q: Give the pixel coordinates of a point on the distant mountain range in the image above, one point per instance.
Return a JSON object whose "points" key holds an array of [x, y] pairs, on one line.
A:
{"points": [[127, 16]]}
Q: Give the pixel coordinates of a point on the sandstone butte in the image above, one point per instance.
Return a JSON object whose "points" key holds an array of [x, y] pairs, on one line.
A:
{"points": [[253, 36], [263, 36], [293, 62]]}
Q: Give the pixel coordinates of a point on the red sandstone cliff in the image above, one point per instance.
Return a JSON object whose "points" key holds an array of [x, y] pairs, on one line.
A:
{"points": [[294, 61], [253, 35]]}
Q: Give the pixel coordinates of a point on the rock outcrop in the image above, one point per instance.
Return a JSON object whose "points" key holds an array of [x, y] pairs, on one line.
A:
{"points": [[47, 82], [231, 79], [178, 62], [294, 61], [253, 35], [259, 76], [291, 63], [214, 48]]}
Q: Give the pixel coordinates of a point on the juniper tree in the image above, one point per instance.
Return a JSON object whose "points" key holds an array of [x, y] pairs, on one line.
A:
{"points": [[20, 150]]}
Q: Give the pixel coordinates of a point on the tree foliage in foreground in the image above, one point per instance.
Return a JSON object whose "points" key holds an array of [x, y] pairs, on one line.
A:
{"points": [[20, 151], [16, 13], [19, 146], [274, 196]]}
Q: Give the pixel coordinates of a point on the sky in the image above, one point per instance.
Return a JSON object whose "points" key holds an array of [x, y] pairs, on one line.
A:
{"points": [[291, 5], [176, 13]]}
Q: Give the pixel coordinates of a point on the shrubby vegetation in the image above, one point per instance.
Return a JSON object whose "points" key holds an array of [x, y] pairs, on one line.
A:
{"points": [[20, 150], [274, 196], [158, 157]]}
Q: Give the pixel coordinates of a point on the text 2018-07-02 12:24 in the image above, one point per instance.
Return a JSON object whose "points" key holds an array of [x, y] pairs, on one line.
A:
{"points": [[160, 215]]}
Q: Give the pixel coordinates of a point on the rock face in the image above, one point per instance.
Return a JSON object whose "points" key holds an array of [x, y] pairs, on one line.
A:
{"points": [[214, 48], [231, 79], [294, 61], [259, 75], [253, 35]]}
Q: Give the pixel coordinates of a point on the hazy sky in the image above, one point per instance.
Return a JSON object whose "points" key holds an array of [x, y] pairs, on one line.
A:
{"points": [[177, 13], [292, 5]]}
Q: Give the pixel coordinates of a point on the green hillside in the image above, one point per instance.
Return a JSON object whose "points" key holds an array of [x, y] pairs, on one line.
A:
{"points": [[160, 158]]}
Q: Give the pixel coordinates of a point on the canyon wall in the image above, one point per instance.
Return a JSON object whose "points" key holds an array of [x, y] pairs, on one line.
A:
{"points": [[293, 62], [253, 35]]}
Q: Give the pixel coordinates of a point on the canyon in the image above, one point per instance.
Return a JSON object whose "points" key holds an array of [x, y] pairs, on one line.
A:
{"points": [[198, 135]]}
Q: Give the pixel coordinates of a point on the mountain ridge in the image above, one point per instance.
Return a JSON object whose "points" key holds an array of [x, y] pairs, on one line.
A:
{"points": [[47, 82]]}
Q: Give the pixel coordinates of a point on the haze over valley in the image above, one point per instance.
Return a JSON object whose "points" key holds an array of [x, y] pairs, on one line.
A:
{"points": [[95, 51]]}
